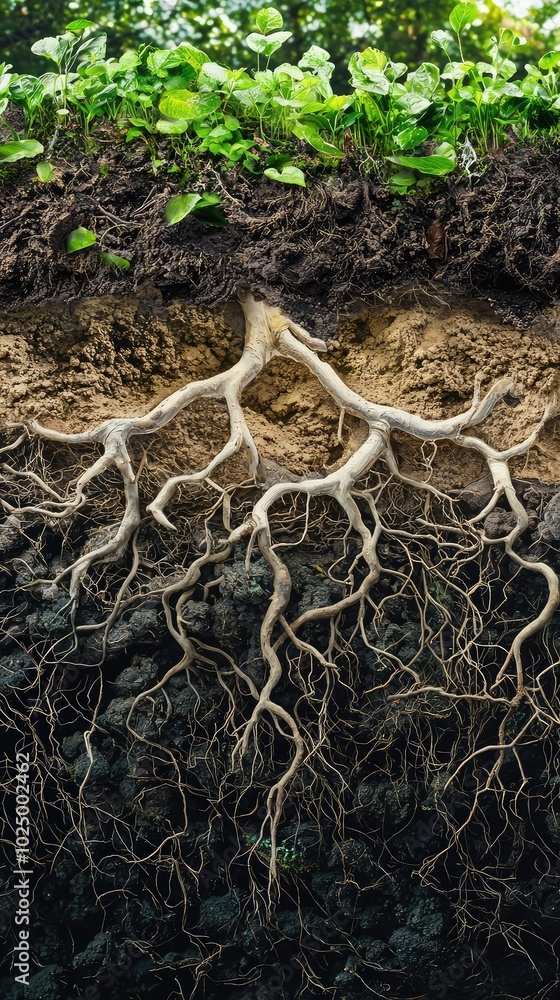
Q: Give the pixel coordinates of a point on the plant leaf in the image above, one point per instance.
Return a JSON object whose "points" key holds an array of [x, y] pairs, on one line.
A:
{"points": [[20, 150], [207, 199], [180, 206], [438, 166], [268, 19], [441, 38], [186, 104], [415, 104], [461, 15], [266, 45], [212, 216], [288, 175], [550, 60], [411, 137], [79, 25], [314, 58], [79, 239], [172, 128], [115, 261], [51, 48], [191, 55], [45, 172], [311, 135]]}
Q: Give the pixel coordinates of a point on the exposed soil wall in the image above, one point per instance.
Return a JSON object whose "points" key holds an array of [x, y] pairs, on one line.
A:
{"points": [[317, 251], [74, 365], [417, 849]]}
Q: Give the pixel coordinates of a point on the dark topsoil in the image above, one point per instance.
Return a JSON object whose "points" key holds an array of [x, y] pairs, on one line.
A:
{"points": [[318, 251], [122, 915]]}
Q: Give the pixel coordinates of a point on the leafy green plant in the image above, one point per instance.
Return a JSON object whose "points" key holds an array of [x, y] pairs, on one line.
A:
{"points": [[205, 205], [411, 126], [80, 239], [45, 172], [113, 260], [288, 175]]}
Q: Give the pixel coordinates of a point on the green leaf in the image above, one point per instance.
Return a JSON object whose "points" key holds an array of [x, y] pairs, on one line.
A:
{"points": [[461, 15], [366, 69], [314, 58], [550, 60], [438, 166], [411, 137], [114, 261], [172, 128], [214, 73], [45, 172], [415, 104], [441, 38], [191, 55], [424, 80], [79, 25], [21, 149], [311, 135], [180, 206], [186, 104], [288, 175], [208, 198], [212, 216], [266, 45], [79, 239], [161, 60], [372, 60], [51, 48], [402, 181], [268, 19]]}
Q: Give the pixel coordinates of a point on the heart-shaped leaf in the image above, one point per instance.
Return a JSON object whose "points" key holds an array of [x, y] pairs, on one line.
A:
{"points": [[266, 45], [79, 239], [288, 175], [268, 19], [461, 15], [51, 48]]}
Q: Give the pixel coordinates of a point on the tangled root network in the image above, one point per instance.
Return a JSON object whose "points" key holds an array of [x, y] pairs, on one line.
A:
{"points": [[417, 596]]}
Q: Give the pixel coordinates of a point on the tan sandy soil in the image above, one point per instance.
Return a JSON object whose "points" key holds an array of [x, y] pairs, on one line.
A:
{"points": [[72, 366]]}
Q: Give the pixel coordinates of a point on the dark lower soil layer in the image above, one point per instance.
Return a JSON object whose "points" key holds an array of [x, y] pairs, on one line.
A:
{"points": [[145, 880]]}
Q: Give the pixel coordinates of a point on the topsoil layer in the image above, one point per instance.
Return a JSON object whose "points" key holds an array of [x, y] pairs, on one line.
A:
{"points": [[317, 251]]}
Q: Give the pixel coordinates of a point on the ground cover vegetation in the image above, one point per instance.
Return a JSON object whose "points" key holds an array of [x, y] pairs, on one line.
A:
{"points": [[407, 126]]}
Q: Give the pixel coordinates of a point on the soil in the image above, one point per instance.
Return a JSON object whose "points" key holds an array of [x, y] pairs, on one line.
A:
{"points": [[317, 251], [72, 366], [147, 880]]}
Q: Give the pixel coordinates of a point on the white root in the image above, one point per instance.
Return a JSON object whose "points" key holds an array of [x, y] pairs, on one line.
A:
{"points": [[269, 334]]}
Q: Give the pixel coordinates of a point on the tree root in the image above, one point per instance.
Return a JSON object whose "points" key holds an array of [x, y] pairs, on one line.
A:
{"points": [[269, 334]]}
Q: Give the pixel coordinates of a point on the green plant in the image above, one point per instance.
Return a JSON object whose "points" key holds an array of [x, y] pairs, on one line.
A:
{"points": [[45, 172], [23, 149], [412, 126], [79, 239], [205, 205]]}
